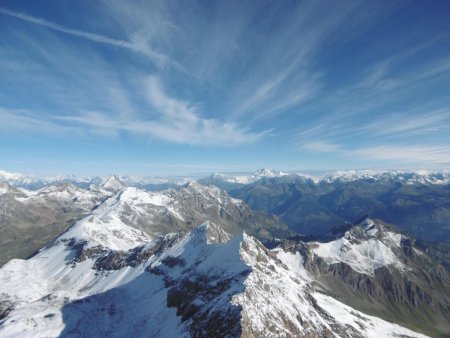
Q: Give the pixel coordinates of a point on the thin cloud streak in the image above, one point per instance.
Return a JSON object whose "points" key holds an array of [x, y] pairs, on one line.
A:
{"points": [[417, 154], [417, 123], [426, 125], [361, 109], [24, 120], [431, 155], [133, 46]]}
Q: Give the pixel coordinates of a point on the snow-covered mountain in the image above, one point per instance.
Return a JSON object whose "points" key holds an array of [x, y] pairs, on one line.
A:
{"points": [[113, 184], [375, 269], [364, 248], [403, 176], [29, 219], [249, 178], [132, 216], [31, 182], [173, 286], [230, 181]]}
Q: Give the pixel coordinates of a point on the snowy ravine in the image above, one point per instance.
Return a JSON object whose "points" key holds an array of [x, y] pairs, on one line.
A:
{"points": [[173, 286]]}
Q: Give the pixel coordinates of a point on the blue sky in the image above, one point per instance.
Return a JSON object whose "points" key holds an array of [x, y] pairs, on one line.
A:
{"points": [[176, 87]]}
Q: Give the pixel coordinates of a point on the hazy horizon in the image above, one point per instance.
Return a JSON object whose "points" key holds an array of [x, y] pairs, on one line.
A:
{"points": [[200, 174]]}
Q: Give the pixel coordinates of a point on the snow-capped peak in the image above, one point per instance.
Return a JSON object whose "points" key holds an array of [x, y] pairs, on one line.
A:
{"points": [[7, 176], [243, 178], [137, 196], [366, 222], [403, 176], [267, 172], [365, 247], [5, 188], [113, 183], [116, 223]]}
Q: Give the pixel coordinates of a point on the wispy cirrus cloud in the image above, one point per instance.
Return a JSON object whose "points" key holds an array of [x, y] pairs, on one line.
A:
{"points": [[418, 155], [395, 127], [382, 106], [201, 132], [135, 45], [418, 123], [169, 119], [23, 120]]}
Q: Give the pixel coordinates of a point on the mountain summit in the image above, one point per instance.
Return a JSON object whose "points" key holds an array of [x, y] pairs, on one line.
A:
{"points": [[113, 184]]}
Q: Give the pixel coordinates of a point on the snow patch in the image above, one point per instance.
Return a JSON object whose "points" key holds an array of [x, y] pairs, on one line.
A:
{"points": [[364, 257], [113, 234], [371, 327], [394, 237], [294, 261]]}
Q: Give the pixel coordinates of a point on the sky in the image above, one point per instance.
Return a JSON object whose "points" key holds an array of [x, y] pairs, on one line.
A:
{"points": [[176, 87]]}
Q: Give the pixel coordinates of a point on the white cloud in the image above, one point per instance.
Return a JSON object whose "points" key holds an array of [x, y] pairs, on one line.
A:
{"points": [[176, 111], [135, 45], [175, 121]]}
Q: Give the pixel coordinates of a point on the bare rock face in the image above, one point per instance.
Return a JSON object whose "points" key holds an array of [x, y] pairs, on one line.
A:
{"points": [[5, 308]]}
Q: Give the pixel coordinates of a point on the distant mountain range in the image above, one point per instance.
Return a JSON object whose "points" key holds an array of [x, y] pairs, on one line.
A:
{"points": [[417, 204], [225, 181], [230, 182], [31, 182]]}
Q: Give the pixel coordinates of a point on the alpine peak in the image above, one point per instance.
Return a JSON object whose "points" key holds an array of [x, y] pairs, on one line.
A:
{"points": [[113, 183]]}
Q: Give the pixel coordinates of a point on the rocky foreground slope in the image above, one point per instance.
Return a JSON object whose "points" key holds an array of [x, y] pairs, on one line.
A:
{"points": [[205, 283]]}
